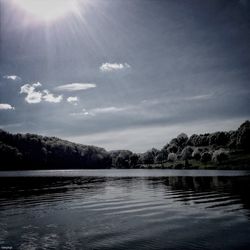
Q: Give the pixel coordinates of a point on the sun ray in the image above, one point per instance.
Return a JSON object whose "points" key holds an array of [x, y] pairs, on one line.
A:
{"points": [[47, 10]]}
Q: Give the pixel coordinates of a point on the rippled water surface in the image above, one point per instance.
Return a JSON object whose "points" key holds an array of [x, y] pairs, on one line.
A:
{"points": [[125, 210]]}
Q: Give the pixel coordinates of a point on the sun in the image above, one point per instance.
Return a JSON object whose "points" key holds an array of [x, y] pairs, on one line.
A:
{"points": [[47, 10]]}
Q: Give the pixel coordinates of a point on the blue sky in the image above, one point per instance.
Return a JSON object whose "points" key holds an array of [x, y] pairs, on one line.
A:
{"points": [[125, 74]]}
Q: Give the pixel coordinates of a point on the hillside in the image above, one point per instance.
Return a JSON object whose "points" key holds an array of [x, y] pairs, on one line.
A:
{"points": [[221, 150]]}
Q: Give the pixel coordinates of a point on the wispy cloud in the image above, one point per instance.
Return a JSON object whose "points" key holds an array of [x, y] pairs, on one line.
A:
{"points": [[75, 86], [36, 96], [6, 106], [199, 97], [85, 112], [107, 110], [12, 77], [169, 100], [144, 108], [109, 67], [134, 138], [101, 110], [73, 100]]}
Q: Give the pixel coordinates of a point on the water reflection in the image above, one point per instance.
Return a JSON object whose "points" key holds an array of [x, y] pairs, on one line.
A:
{"points": [[182, 188], [125, 213]]}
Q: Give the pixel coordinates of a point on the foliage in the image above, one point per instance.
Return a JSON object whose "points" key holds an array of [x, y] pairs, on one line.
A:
{"points": [[172, 157], [206, 157], [186, 153], [243, 136], [147, 157], [32, 151], [219, 139], [197, 154], [220, 155]]}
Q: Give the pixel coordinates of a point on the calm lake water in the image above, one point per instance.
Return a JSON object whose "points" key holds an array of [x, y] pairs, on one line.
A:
{"points": [[125, 209]]}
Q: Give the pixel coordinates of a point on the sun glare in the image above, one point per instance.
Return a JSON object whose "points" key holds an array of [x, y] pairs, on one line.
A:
{"points": [[47, 10]]}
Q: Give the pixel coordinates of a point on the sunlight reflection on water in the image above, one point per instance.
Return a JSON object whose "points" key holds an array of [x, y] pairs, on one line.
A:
{"points": [[122, 212]]}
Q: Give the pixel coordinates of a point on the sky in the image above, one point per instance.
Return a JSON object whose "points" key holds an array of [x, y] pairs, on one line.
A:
{"points": [[124, 74]]}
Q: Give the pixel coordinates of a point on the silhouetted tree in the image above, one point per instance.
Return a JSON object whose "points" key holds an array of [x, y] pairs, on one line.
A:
{"points": [[133, 160], [232, 139], [206, 157], [182, 140], [147, 157], [161, 156], [172, 157], [198, 140], [220, 155], [121, 158], [197, 154], [243, 136], [41, 152], [218, 139], [172, 148], [186, 153], [33, 151]]}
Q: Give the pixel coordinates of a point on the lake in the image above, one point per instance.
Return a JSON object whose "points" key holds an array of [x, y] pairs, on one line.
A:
{"points": [[125, 209]]}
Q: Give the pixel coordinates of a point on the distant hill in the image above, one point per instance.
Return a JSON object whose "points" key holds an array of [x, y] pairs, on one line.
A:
{"points": [[30, 151], [215, 150]]}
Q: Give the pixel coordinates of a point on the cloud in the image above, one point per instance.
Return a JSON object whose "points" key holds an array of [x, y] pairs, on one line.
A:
{"points": [[73, 100], [199, 97], [6, 106], [49, 97], [96, 111], [85, 112], [146, 108], [133, 138], [106, 110], [12, 77], [76, 86], [109, 67], [34, 96]]}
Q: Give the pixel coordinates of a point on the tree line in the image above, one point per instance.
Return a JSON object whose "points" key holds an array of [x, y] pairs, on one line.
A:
{"points": [[30, 151]]}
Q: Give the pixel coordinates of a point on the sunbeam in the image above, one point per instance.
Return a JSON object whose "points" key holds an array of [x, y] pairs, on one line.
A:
{"points": [[46, 10]]}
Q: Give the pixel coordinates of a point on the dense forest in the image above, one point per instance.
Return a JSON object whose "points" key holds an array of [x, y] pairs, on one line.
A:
{"points": [[215, 150]]}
